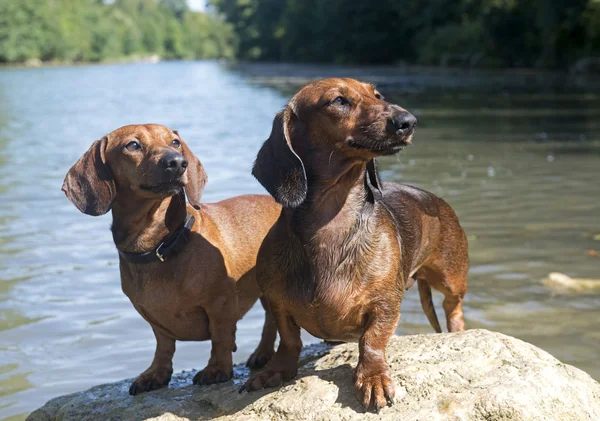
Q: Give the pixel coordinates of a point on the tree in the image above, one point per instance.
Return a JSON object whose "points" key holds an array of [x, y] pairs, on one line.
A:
{"points": [[95, 30], [548, 33]]}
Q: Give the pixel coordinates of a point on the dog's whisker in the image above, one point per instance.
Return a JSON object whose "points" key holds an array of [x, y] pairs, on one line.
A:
{"points": [[330, 155]]}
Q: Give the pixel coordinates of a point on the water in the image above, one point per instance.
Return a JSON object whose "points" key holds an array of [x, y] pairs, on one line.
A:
{"points": [[520, 170]]}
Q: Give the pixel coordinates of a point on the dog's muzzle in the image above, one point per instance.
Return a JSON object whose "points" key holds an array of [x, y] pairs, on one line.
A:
{"points": [[401, 123]]}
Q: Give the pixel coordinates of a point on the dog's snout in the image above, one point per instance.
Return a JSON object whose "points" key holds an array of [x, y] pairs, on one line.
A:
{"points": [[174, 163], [403, 122]]}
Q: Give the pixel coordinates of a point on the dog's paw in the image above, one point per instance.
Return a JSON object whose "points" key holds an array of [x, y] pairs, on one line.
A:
{"points": [[212, 375], [375, 392], [267, 378], [259, 358], [150, 380]]}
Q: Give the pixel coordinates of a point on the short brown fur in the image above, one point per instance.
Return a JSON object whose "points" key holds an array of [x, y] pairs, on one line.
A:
{"points": [[200, 292], [346, 246]]}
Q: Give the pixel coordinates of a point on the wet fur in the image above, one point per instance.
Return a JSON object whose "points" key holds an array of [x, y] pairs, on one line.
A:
{"points": [[346, 246]]}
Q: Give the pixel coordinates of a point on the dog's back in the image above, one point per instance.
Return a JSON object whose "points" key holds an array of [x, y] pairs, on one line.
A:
{"points": [[240, 219]]}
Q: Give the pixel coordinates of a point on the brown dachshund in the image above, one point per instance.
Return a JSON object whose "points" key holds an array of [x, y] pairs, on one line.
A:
{"points": [[188, 269], [346, 246]]}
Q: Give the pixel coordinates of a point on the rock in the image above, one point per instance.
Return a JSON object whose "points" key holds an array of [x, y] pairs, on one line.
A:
{"points": [[473, 375], [563, 282]]}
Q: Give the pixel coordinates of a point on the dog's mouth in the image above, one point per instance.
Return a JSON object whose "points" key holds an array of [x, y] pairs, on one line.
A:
{"points": [[384, 147], [170, 187]]}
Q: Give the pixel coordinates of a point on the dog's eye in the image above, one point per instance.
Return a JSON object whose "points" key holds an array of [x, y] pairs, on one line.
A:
{"points": [[133, 146], [339, 101], [176, 143], [379, 96]]}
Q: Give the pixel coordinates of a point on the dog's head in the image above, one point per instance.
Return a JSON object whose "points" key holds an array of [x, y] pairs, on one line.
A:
{"points": [[341, 116], [140, 161]]}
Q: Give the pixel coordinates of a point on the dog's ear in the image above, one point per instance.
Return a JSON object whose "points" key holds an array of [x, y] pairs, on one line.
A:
{"points": [[196, 178], [277, 167], [89, 183], [373, 180]]}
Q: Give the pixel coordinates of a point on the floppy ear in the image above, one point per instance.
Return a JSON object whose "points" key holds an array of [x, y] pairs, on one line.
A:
{"points": [[196, 178], [277, 167], [89, 184]]}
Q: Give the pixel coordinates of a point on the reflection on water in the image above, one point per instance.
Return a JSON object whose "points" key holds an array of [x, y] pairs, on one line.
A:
{"points": [[520, 170]]}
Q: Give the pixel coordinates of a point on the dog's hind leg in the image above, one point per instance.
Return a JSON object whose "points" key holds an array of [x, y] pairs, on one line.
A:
{"points": [[451, 282], [427, 304], [454, 313]]}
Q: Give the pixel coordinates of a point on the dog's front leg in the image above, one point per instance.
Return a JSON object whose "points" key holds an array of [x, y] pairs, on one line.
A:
{"points": [[373, 384], [159, 373], [222, 318], [284, 364]]}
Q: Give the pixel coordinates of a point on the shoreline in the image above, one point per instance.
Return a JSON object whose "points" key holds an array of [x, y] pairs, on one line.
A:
{"points": [[36, 63], [253, 65], [280, 74], [409, 79], [395, 79]]}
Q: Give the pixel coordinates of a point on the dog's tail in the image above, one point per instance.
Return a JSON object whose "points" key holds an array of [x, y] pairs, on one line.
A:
{"points": [[427, 303]]}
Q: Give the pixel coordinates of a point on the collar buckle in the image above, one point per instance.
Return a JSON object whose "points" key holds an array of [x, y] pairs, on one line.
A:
{"points": [[160, 256]]}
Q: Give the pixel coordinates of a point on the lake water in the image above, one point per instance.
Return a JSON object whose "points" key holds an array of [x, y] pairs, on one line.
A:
{"points": [[521, 170]]}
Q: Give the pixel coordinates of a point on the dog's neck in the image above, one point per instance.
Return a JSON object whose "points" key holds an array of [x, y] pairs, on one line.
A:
{"points": [[333, 228], [335, 201], [139, 226]]}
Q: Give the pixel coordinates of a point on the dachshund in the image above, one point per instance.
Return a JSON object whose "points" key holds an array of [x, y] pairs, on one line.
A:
{"points": [[346, 246], [188, 268]]}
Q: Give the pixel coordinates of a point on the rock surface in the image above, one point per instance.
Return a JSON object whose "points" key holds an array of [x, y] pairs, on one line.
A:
{"points": [[473, 375]]}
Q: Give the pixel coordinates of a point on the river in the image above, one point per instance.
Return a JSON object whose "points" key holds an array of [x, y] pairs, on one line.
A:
{"points": [[521, 169]]}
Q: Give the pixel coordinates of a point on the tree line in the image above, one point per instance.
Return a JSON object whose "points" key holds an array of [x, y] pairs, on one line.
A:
{"points": [[491, 33], [486, 33], [97, 30]]}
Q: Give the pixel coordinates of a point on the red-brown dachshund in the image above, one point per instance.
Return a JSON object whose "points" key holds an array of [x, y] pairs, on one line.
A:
{"points": [[346, 246], [188, 269]]}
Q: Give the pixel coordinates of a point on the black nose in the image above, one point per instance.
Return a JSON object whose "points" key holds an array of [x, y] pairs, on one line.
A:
{"points": [[173, 163], [403, 122]]}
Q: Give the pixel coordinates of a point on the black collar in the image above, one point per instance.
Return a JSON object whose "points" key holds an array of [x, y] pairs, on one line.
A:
{"points": [[166, 248]]}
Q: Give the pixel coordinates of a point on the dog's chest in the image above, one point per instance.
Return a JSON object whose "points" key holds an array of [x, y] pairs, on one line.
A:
{"points": [[162, 303], [333, 296]]}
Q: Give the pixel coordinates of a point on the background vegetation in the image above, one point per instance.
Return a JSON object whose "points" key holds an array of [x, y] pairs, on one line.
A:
{"points": [[95, 30], [507, 33], [488, 33]]}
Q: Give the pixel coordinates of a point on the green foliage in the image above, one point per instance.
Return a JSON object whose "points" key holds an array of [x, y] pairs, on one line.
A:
{"points": [[95, 30], [592, 27], [544, 33]]}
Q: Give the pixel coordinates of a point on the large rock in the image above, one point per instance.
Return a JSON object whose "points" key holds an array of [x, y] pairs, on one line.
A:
{"points": [[473, 375]]}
